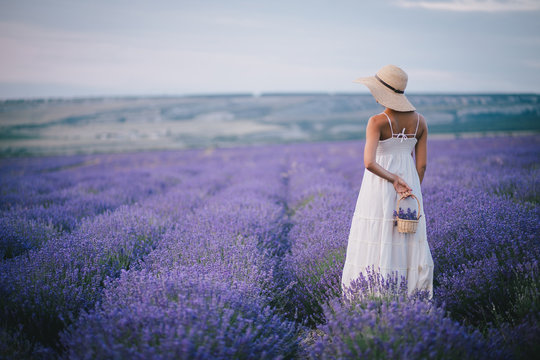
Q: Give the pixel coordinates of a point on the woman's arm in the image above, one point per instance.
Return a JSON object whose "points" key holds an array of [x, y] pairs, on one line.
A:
{"points": [[421, 152], [373, 134]]}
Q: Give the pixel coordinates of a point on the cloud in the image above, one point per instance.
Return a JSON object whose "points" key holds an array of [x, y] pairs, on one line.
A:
{"points": [[473, 5]]}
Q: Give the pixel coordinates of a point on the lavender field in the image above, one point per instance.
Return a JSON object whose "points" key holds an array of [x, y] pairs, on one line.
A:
{"points": [[238, 252]]}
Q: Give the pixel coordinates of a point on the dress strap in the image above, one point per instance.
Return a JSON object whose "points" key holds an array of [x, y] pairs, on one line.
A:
{"points": [[388, 117], [417, 122]]}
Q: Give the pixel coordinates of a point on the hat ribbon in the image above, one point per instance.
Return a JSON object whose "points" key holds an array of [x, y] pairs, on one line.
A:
{"points": [[389, 86]]}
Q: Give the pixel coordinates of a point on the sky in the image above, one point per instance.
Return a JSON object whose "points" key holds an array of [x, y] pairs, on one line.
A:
{"points": [[66, 48]]}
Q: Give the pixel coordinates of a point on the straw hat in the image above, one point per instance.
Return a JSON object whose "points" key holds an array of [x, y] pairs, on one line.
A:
{"points": [[388, 86]]}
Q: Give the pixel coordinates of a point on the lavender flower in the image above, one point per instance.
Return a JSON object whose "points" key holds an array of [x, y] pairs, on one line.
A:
{"points": [[408, 215]]}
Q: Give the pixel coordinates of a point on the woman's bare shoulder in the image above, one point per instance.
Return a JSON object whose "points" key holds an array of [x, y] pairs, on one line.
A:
{"points": [[378, 120]]}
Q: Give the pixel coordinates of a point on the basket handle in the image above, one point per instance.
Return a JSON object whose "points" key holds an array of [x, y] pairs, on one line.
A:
{"points": [[418, 201]]}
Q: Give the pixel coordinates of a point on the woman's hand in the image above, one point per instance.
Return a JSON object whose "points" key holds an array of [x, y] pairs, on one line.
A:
{"points": [[401, 187]]}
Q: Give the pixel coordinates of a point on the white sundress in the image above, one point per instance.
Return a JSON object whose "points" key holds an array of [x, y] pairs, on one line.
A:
{"points": [[373, 238]]}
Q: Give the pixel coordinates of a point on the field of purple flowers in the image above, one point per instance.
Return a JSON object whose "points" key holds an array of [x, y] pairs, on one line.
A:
{"points": [[238, 253]]}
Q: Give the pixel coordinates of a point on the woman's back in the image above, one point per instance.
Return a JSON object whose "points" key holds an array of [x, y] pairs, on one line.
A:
{"points": [[397, 121]]}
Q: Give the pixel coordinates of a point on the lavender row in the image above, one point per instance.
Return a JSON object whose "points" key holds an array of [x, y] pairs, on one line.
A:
{"points": [[378, 319], [501, 167], [319, 203], [397, 330], [206, 290], [47, 288], [484, 242], [40, 206], [185, 312], [484, 233]]}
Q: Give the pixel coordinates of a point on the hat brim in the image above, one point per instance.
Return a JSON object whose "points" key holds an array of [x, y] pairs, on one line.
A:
{"points": [[386, 96]]}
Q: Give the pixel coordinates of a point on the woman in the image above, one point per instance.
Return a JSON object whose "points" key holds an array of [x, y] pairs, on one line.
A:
{"points": [[391, 173]]}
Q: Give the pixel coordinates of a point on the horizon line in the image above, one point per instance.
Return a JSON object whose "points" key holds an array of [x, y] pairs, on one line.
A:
{"points": [[251, 94]]}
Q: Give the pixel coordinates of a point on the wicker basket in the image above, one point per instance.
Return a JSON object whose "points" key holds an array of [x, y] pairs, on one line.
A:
{"points": [[408, 226]]}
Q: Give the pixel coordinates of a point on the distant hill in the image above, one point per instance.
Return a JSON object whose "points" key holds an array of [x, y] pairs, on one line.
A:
{"points": [[89, 125]]}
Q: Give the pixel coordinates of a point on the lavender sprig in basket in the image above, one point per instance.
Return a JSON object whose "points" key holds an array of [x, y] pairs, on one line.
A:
{"points": [[407, 222]]}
